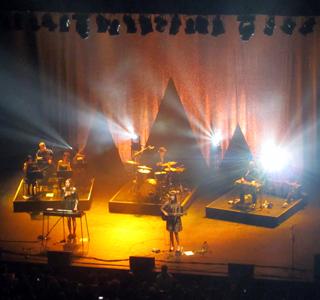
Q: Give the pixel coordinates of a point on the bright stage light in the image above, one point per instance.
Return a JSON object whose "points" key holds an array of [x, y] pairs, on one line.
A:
{"points": [[216, 137], [274, 158]]}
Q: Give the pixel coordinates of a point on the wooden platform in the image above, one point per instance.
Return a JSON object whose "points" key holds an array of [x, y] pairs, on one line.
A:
{"points": [[271, 216], [50, 198], [128, 202]]}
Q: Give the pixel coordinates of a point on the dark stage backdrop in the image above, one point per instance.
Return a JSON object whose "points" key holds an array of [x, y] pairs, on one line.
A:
{"points": [[268, 85]]}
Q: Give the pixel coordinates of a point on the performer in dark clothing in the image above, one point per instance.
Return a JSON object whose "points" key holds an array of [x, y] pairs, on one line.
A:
{"points": [[249, 186], [71, 201], [64, 169], [31, 171], [172, 210], [44, 155]]}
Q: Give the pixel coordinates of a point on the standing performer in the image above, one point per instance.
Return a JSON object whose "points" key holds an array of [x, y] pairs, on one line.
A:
{"points": [[172, 210], [44, 158], [71, 201]]}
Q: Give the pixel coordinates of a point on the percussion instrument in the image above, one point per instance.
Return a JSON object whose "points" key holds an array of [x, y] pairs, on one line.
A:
{"points": [[131, 162], [148, 188]]}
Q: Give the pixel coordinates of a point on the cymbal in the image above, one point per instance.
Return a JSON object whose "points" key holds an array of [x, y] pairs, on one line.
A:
{"points": [[168, 164], [131, 162], [144, 171], [176, 170], [160, 173], [144, 167]]}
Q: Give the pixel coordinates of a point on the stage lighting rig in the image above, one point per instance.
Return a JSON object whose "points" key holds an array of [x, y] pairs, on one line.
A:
{"points": [[102, 23], [5, 21], [307, 26], [145, 24], [190, 26], [114, 27], [216, 138], [202, 24], [82, 25], [218, 27], [175, 25], [274, 158], [64, 23], [48, 23], [288, 26], [269, 27], [130, 23], [246, 27], [32, 22], [161, 23]]}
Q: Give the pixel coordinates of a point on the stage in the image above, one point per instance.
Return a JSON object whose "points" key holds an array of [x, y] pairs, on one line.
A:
{"points": [[269, 211], [50, 198], [146, 203], [114, 237]]}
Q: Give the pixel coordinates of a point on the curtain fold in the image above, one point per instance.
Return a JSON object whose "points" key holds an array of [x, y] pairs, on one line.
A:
{"points": [[268, 85]]}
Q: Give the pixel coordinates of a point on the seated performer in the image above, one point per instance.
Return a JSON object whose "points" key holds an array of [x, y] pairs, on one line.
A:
{"points": [[172, 210], [249, 181], [44, 155], [64, 169], [30, 177], [71, 201], [162, 156]]}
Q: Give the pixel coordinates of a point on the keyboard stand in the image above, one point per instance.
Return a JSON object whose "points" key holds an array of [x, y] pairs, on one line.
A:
{"points": [[46, 230]]}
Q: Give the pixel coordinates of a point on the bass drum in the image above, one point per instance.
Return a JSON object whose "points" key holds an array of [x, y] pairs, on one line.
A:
{"points": [[149, 190]]}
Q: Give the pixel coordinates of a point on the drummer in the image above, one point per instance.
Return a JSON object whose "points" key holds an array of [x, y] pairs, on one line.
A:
{"points": [[162, 159]]}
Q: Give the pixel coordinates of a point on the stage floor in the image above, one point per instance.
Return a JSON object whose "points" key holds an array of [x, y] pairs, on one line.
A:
{"points": [[115, 237]]}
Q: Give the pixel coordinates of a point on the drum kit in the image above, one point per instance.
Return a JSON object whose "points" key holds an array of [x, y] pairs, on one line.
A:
{"points": [[155, 184]]}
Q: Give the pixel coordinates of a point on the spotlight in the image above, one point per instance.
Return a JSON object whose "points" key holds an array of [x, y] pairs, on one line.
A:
{"points": [[48, 23], [145, 24], [218, 27], [202, 25], [64, 23], [175, 25], [269, 27], [288, 26], [307, 26], [190, 26], [18, 21], [114, 27], [274, 158], [82, 25], [216, 138], [130, 23], [246, 27], [161, 23], [102, 23]]}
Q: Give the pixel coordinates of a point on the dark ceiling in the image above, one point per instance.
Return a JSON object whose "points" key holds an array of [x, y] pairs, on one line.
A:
{"points": [[236, 7]]}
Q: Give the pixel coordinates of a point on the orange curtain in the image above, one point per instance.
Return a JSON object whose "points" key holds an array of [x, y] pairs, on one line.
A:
{"points": [[267, 85]]}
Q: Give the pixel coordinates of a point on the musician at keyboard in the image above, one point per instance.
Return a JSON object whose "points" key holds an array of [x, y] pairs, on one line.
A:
{"points": [[44, 155], [31, 174], [71, 201], [250, 183], [172, 210]]}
